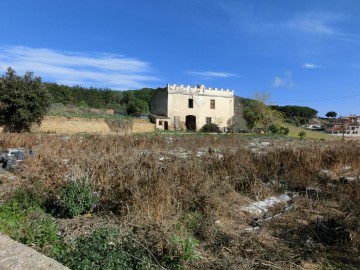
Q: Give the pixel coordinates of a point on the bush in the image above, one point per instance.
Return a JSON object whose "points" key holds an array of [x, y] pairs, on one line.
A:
{"points": [[210, 127], [104, 249], [275, 129], [75, 198], [23, 219], [302, 134]]}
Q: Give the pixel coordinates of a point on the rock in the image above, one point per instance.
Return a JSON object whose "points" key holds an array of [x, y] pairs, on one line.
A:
{"points": [[16, 256]]}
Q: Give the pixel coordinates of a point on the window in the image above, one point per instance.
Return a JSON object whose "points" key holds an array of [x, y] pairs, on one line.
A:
{"points": [[212, 103], [208, 120], [191, 103], [160, 123]]}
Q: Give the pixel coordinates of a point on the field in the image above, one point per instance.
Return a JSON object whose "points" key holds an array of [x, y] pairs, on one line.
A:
{"points": [[169, 201]]}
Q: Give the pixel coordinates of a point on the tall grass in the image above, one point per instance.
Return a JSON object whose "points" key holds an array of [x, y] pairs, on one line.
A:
{"points": [[148, 180]]}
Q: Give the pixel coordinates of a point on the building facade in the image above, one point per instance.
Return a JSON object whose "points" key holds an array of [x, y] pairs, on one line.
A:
{"points": [[348, 126], [184, 107]]}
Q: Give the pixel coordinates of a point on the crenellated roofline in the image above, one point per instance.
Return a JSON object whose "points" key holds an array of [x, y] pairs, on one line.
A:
{"points": [[199, 90]]}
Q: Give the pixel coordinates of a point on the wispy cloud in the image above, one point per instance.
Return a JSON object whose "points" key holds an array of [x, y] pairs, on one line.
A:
{"points": [[278, 82], [321, 24], [212, 74], [310, 66], [284, 81], [74, 68]]}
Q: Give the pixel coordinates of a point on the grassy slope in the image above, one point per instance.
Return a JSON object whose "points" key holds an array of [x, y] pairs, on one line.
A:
{"points": [[294, 131]]}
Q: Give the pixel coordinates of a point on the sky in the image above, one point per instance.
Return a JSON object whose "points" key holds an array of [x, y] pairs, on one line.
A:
{"points": [[304, 53]]}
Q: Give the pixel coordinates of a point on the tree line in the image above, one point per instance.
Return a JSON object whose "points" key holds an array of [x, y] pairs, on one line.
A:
{"points": [[257, 114], [130, 102]]}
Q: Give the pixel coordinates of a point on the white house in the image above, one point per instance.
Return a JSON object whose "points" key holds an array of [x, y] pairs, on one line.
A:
{"points": [[179, 107]]}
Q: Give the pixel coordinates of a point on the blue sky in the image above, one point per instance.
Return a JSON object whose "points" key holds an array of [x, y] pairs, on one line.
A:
{"points": [[300, 52]]}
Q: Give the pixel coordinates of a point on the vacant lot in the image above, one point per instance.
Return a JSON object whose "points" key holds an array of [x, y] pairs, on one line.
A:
{"points": [[185, 201]]}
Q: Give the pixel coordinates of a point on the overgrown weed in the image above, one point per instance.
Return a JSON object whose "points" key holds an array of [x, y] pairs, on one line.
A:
{"points": [[162, 180]]}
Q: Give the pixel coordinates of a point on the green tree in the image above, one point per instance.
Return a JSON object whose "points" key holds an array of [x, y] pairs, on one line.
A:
{"points": [[23, 101], [251, 117], [331, 114], [258, 113]]}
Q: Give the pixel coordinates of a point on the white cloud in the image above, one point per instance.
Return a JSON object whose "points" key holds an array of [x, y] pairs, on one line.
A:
{"points": [[315, 23], [322, 24], [75, 68], [310, 66], [284, 81], [212, 74], [278, 82]]}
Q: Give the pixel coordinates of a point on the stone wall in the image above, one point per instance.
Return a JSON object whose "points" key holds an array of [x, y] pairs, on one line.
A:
{"points": [[142, 125], [70, 125], [73, 125]]}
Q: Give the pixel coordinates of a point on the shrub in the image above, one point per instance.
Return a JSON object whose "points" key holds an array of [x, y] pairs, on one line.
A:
{"points": [[302, 134], [210, 127], [104, 249], [273, 129], [22, 218], [75, 198], [284, 130]]}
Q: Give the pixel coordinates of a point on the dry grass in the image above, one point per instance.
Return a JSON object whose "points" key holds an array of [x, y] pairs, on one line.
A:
{"points": [[151, 182]]}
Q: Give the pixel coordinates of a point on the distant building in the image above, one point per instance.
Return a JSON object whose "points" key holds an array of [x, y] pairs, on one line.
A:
{"points": [[345, 126], [183, 107]]}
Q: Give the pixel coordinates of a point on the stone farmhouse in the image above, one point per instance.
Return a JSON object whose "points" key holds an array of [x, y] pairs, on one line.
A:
{"points": [[178, 107]]}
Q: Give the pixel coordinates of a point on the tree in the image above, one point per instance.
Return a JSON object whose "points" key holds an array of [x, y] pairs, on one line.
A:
{"points": [[23, 101], [331, 114], [259, 113]]}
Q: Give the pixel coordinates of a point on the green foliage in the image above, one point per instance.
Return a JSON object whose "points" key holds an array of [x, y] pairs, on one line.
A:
{"points": [[251, 117], [293, 121], [331, 114], [137, 106], [131, 102], [276, 129], [210, 127], [183, 249], [75, 198], [256, 112], [24, 101], [104, 249], [301, 113], [22, 218], [302, 134]]}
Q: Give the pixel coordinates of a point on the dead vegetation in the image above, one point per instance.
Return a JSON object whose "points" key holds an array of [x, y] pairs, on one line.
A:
{"points": [[152, 184]]}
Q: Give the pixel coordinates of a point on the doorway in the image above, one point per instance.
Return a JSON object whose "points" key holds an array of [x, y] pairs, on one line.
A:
{"points": [[190, 122]]}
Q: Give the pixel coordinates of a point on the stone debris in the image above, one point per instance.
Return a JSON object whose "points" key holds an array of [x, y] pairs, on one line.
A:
{"points": [[261, 207], [10, 157]]}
